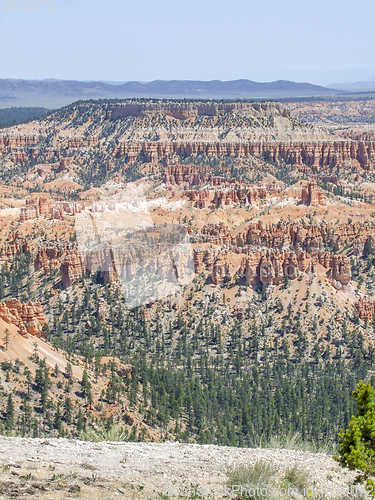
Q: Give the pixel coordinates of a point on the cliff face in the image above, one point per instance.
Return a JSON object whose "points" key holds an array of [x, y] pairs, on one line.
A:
{"points": [[260, 254], [14, 244], [207, 198], [264, 130], [184, 111], [18, 141], [268, 267], [49, 256], [45, 207], [28, 317], [111, 264], [316, 155], [366, 309], [312, 196], [72, 268], [291, 235]]}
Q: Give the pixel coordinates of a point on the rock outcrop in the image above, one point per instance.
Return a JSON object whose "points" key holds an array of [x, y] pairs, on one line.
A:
{"points": [[303, 155], [247, 195], [34, 208], [366, 309], [44, 207], [188, 110], [28, 317], [11, 141], [72, 268], [297, 236], [267, 267], [311, 195]]}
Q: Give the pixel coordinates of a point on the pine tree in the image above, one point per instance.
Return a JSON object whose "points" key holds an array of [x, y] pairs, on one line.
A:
{"points": [[356, 444], [6, 338], [80, 424], [85, 386], [69, 371], [68, 410], [57, 423], [9, 413]]}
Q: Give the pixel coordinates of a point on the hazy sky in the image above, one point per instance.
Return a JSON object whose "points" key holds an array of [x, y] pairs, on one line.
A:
{"points": [[305, 40]]}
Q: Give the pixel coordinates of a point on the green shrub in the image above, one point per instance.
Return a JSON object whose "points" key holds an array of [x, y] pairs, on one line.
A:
{"points": [[357, 443], [6, 366], [296, 477], [251, 477], [114, 433]]}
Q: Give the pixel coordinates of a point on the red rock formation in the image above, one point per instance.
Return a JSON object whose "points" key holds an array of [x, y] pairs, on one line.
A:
{"points": [[34, 208], [15, 244], [220, 198], [268, 266], [28, 317], [310, 155], [81, 142], [44, 207], [63, 165], [311, 195], [18, 141], [72, 268], [366, 309], [102, 309], [291, 235], [339, 266], [20, 157], [49, 257]]}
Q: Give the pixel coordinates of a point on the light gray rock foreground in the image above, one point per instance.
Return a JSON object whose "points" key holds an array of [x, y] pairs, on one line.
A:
{"points": [[61, 468]]}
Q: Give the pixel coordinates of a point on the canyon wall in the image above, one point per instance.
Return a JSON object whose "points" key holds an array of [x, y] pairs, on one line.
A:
{"points": [[268, 267], [317, 155], [261, 254]]}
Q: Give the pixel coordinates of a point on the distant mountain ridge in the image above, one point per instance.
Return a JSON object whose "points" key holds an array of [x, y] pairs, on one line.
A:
{"points": [[54, 93], [356, 86]]}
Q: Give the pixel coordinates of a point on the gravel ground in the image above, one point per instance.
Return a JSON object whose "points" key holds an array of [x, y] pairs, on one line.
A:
{"points": [[62, 469]]}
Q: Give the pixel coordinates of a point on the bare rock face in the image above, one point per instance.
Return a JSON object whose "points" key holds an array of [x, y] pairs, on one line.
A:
{"points": [[28, 317], [301, 154], [15, 244], [184, 111], [270, 266], [44, 207], [340, 269], [338, 265], [102, 309], [226, 197], [297, 236], [311, 195], [72, 268], [220, 269], [366, 309], [125, 370], [267, 256], [80, 142], [49, 257], [20, 157]]}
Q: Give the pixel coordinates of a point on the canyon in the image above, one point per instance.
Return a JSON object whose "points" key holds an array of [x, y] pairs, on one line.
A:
{"points": [[176, 240]]}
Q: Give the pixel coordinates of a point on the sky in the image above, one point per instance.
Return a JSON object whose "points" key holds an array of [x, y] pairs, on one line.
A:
{"points": [[320, 41]]}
